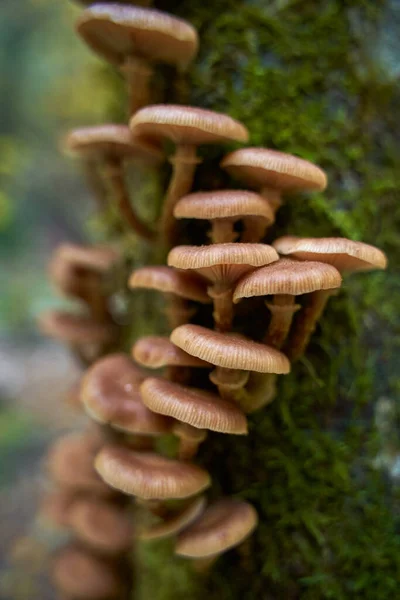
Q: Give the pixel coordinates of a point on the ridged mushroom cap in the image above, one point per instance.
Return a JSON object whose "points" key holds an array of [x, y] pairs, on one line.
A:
{"points": [[229, 350], [74, 329], [222, 526], [110, 141], [262, 167], [156, 352], [110, 394], [80, 575], [173, 524], [102, 525], [223, 204], [344, 254], [148, 475], [170, 281], [186, 125], [222, 263], [116, 32], [55, 508], [196, 407], [288, 276]]}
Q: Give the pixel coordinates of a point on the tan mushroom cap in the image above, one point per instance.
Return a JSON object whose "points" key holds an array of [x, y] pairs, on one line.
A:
{"points": [[102, 525], [344, 254], [116, 32], [262, 167], [186, 125], [223, 204], [156, 352], [80, 575], [290, 277], [196, 407], [222, 526], [55, 508], [229, 350], [170, 281], [110, 394], [175, 523], [74, 329], [223, 263], [148, 475], [94, 258]]}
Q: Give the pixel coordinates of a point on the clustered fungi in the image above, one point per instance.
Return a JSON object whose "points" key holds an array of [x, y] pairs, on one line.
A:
{"points": [[96, 473]]}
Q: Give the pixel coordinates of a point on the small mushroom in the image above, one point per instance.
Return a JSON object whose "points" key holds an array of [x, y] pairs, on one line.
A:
{"points": [[175, 522], [187, 127], [222, 265], [190, 439], [149, 476], [178, 287], [274, 173], [224, 209], [134, 38], [222, 526]]}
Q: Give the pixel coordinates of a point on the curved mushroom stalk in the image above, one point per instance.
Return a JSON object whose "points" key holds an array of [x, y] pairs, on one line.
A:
{"points": [[282, 311], [137, 73], [223, 307], [190, 439], [222, 231]]}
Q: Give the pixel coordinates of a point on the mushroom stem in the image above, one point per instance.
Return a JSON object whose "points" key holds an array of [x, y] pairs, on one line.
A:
{"points": [[96, 299], [178, 312], [156, 507], [95, 183], [273, 196], [223, 307], [190, 439], [306, 323], [254, 230], [184, 164], [230, 383], [115, 178], [203, 565], [137, 72], [282, 310], [222, 231], [261, 391]]}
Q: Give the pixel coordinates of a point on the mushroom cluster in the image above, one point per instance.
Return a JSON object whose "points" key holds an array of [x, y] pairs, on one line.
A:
{"points": [[215, 367]]}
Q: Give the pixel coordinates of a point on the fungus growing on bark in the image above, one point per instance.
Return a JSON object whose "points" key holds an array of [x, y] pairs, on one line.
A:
{"points": [[187, 127], [274, 173], [149, 476], [222, 265], [134, 38], [225, 208], [173, 523]]}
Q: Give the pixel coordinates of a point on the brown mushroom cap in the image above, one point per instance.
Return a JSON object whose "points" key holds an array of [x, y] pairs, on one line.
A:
{"points": [[74, 329], [80, 575], [223, 204], [229, 350], [196, 407], [186, 125], [170, 281], [115, 32], [102, 525], [222, 526], [92, 258], [262, 167], [344, 254], [148, 475], [110, 394], [223, 263], [175, 523], [288, 276], [156, 352]]}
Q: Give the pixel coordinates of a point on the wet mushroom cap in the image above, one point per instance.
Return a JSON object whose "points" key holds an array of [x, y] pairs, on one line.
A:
{"points": [[74, 329], [115, 32], [196, 407], [110, 394], [229, 350], [148, 475], [223, 525], [170, 281], [344, 254], [288, 276], [262, 167], [223, 204], [156, 352], [175, 523], [186, 125]]}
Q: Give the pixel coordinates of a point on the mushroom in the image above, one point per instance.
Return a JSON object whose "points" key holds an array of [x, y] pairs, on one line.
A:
{"points": [[222, 526], [190, 439], [104, 526], [109, 147], [149, 476], [178, 287], [173, 523], [224, 209], [233, 356], [133, 38], [222, 265], [274, 173], [345, 255], [188, 127]]}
